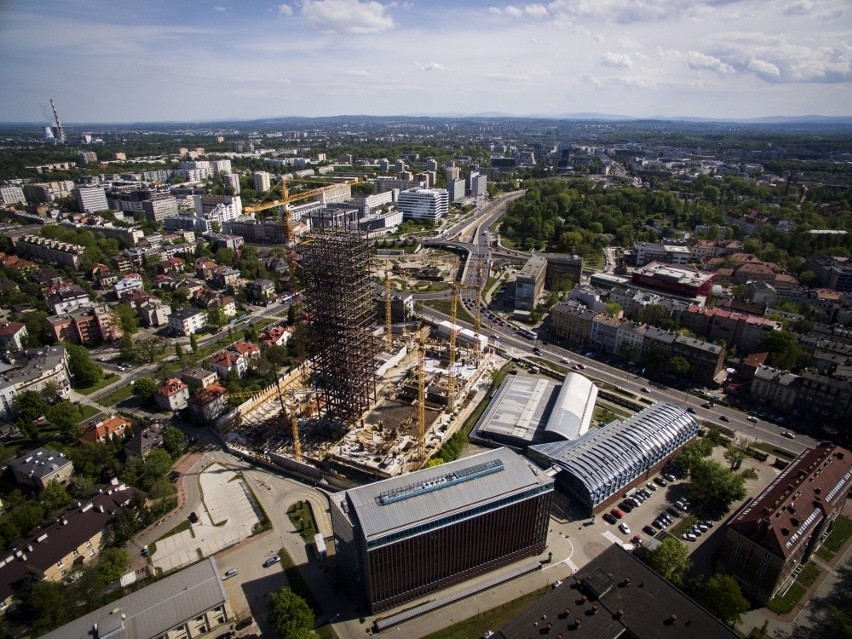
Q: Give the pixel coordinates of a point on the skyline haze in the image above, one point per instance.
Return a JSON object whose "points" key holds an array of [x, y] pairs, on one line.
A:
{"points": [[156, 61]]}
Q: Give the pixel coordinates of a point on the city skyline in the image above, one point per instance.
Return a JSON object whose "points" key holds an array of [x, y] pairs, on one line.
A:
{"points": [[219, 60]]}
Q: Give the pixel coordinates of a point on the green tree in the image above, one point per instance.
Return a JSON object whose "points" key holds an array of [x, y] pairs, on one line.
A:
{"points": [[736, 452], [679, 365], [290, 615], [613, 309], [723, 597], [54, 497], [30, 405], [784, 350], [216, 316], [693, 452], [713, 487], [84, 371], [174, 441], [66, 417], [670, 559], [127, 318], [178, 350], [126, 349], [144, 388], [193, 342], [46, 606], [112, 564]]}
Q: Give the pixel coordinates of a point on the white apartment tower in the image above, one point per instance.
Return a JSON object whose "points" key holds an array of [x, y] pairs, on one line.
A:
{"points": [[232, 181], [423, 204], [261, 181]]}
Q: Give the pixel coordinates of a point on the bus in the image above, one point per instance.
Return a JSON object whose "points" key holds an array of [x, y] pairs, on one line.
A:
{"points": [[525, 332]]}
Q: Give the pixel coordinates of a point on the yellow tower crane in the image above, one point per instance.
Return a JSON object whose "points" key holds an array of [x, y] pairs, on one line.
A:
{"points": [[451, 364], [388, 311], [421, 397]]}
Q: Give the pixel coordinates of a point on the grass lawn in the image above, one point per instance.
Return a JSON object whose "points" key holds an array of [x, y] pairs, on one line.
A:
{"points": [[809, 574], [683, 525], [783, 605], [444, 307], [300, 587], [839, 534], [184, 525], [778, 452], [117, 396], [302, 517], [105, 381], [477, 625], [87, 412]]}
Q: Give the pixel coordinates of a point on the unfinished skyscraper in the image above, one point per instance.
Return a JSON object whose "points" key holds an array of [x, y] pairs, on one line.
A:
{"points": [[339, 295]]}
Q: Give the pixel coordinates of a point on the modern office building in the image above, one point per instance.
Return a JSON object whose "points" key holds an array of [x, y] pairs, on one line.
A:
{"points": [[408, 536], [598, 466], [784, 525], [423, 204], [529, 284]]}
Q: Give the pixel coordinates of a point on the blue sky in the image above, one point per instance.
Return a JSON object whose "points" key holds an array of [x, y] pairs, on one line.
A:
{"points": [[150, 60]]}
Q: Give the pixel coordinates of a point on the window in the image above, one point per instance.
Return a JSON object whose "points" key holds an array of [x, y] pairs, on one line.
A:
{"points": [[76, 552]]}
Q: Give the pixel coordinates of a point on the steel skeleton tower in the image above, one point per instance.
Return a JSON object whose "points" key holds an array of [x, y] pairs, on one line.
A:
{"points": [[339, 296]]}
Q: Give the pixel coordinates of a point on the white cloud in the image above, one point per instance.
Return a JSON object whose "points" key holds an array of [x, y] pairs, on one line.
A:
{"points": [[588, 78], [763, 67], [347, 16], [799, 8], [697, 60], [513, 11], [431, 66], [537, 10], [285, 10], [616, 60], [219, 8], [359, 73], [505, 77]]}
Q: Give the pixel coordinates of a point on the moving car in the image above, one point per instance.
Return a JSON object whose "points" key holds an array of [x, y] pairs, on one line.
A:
{"points": [[788, 434], [623, 527], [691, 410], [233, 572], [752, 419], [723, 418], [274, 559], [645, 389]]}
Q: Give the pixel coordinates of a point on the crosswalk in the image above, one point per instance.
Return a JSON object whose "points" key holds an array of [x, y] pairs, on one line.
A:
{"points": [[609, 536], [571, 565]]}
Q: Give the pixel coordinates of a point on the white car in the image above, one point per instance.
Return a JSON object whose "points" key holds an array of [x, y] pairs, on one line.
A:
{"points": [[752, 419], [565, 360], [233, 572], [624, 528], [652, 487], [690, 537]]}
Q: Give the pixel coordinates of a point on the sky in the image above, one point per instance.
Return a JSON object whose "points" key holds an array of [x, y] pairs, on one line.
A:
{"points": [[195, 60]]}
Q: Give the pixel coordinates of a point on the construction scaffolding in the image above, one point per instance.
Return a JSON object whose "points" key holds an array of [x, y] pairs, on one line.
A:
{"points": [[341, 308]]}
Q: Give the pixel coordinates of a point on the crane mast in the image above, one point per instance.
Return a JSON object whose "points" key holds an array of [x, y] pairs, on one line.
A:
{"points": [[59, 133], [388, 311], [451, 365]]}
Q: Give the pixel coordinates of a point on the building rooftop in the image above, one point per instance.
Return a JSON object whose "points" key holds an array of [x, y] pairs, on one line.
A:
{"points": [[783, 516], [40, 462], [574, 408], [395, 505], [153, 610], [518, 413], [616, 596]]}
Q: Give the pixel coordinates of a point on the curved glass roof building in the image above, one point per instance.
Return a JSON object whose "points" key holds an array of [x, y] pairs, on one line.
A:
{"points": [[605, 460]]}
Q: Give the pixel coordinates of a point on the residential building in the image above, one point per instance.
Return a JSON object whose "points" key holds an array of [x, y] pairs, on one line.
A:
{"points": [[32, 369], [198, 378], [833, 272], [53, 551], [737, 329], [455, 188], [42, 249], [40, 467], [673, 279], [615, 596], [261, 181], [91, 199], [156, 205], [275, 336], [153, 313], [224, 363], [187, 321], [172, 394], [267, 231], [775, 388], [13, 336], [144, 439], [65, 298], [10, 195], [232, 181], [260, 290], [590, 472], [560, 269], [116, 426], [128, 285], [478, 185], [667, 252], [604, 335], [423, 204], [218, 208], [90, 326], [381, 529], [781, 528], [572, 321], [225, 276], [529, 284], [190, 603], [208, 403]]}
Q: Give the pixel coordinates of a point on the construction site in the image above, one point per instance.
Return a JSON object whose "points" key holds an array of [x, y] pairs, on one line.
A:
{"points": [[379, 398]]}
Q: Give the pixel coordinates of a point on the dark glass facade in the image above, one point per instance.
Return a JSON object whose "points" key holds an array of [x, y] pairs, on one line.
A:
{"points": [[446, 552]]}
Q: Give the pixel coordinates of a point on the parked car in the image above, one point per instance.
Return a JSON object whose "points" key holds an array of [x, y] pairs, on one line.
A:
{"points": [[672, 511], [609, 518], [706, 522], [274, 559], [660, 482], [652, 487], [625, 506], [193, 518], [690, 537], [233, 572], [636, 539], [615, 512], [623, 527], [245, 623], [649, 531], [669, 477]]}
